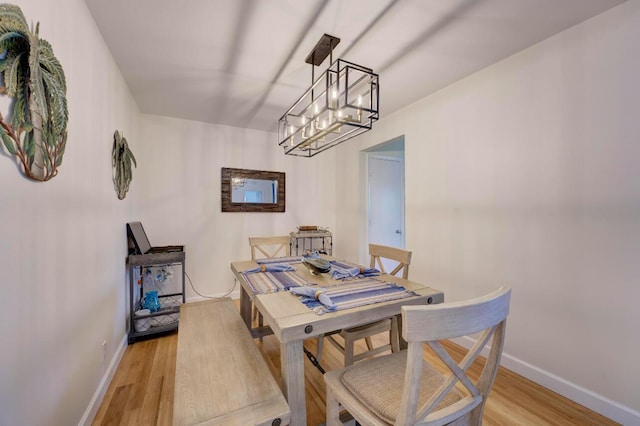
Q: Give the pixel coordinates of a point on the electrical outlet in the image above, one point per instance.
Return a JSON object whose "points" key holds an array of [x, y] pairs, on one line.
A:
{"points": [[104, 353]]}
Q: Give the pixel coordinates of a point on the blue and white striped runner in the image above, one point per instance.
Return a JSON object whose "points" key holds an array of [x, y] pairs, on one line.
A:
{"points": [[359, 292], [271, 282]]}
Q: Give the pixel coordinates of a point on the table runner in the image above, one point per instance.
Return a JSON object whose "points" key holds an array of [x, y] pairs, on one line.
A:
{"points": [[270, 282], [359, 292]]}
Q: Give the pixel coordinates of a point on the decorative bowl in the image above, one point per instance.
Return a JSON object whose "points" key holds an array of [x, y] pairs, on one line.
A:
{"points": [[316, 265]]}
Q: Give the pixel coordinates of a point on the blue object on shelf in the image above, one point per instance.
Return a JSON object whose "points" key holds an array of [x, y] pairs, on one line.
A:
{"points": [[151, 301]]}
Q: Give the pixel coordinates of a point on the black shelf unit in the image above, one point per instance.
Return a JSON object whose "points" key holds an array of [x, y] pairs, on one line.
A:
{"points": [[167, 317], [142, 255]]}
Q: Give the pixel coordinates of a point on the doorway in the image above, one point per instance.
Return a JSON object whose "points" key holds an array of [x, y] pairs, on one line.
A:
{"points": [[385, 194]]}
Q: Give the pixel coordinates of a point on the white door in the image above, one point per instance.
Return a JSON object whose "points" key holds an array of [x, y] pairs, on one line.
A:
{"points": [[386, 201]]}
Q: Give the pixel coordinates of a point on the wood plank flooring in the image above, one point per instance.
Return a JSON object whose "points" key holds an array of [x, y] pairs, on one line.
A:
{"points": [[141, 392]]}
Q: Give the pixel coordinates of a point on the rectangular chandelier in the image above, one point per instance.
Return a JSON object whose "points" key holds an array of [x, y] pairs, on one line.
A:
{"points": [[340, 104]]}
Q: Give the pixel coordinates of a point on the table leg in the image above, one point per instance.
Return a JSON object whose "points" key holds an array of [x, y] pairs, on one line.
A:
{"points": [[292, 368], [401, 342], [245, 307]]}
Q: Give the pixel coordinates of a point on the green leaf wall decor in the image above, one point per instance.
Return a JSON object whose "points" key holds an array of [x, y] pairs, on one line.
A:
{"points": [[121, 159], [35, 129]]}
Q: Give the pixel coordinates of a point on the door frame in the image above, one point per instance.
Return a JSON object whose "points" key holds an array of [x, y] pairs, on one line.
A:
{"points": [[392, 148]]}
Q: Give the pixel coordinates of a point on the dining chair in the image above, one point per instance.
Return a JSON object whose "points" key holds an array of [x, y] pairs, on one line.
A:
{"points": [[350, 336], [268, 247], [403, 389]]}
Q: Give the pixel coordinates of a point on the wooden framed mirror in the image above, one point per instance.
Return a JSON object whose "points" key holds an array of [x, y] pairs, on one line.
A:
{"points": [[244, 190]]}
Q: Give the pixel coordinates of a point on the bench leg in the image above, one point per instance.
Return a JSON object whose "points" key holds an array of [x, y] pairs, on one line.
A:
{"points": [[292, 367]]}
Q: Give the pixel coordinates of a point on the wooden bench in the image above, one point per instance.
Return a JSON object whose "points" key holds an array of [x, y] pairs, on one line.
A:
{"points": [[221, 376]]}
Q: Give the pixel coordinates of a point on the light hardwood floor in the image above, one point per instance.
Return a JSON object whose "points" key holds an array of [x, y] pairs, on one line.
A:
{"points": [[141, 392]]}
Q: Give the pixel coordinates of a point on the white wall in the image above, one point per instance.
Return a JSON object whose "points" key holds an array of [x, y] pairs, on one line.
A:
{"points": [[179, 189], [62, 242], [523, 174], [526, 174]]}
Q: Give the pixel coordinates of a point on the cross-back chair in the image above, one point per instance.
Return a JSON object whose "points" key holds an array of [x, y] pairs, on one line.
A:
{"points": [[268, 247], [403, 389], [402, 257], [350, 336]]}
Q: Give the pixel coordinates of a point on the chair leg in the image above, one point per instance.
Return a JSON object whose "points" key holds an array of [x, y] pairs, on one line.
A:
{"points": [[369, 343], [319, 347], [333, 410], [394, 335]]}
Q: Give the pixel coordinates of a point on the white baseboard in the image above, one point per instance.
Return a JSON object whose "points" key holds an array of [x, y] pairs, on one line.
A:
{"points": [[98, 396], [592, 400]]}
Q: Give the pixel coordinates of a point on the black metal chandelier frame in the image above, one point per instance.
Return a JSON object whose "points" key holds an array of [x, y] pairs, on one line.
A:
{"points": [[341, 103]]}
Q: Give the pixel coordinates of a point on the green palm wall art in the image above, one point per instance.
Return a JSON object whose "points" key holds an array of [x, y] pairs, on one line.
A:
{"points": [[121, 159], [34, 132]]}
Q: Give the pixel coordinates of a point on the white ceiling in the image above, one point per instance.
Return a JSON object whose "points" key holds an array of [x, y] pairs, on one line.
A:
{"points": [[242, 62]]}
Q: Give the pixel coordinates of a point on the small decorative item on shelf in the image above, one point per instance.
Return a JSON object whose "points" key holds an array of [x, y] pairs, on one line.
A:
{"points": [[151, 301], [312, 228]]}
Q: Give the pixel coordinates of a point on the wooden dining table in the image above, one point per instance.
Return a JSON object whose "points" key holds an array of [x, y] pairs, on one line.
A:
{"points": [[292, 322]]}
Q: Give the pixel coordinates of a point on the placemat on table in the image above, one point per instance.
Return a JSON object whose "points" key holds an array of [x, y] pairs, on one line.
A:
{"points": [[271, 282], [359, 292]]}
